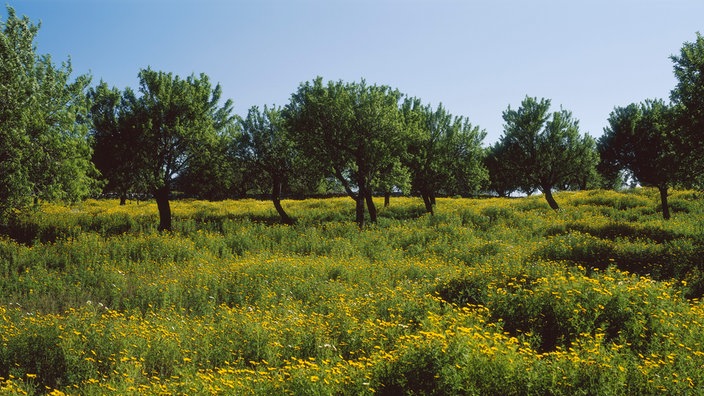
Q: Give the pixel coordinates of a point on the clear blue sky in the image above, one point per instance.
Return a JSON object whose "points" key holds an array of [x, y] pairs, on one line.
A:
{"points": [[476, 57]]}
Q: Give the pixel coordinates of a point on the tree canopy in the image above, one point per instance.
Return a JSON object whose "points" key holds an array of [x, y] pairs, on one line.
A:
{"points": [[688, 100], [502, 181], [546, 149], [445, 152], [160, 134], [113, 139], [642, 139], [352, 130], [44, 150]]}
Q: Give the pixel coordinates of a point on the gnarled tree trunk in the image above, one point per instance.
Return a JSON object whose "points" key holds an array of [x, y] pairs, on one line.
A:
{"points": [[359, 210], [547, 191], [428, 201], [663, 200], [370, 206], [162, 203], [276, 198]]}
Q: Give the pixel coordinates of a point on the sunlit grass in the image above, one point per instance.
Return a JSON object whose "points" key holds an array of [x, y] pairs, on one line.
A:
{"points": [[489, 296]]}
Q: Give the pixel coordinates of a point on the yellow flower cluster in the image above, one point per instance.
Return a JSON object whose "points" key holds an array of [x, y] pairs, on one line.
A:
{"points": [[489, 296]]}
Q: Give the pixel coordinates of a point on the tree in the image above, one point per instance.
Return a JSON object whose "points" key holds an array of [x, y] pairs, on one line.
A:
{"points": [[395, 178], [612, 176], [178, 121], [172, 125], [113, 139], [353, 130], [44, 149], [265, 146], [502, 180], [641, 139], [546, 150], [468, 175], [688, 103], [222, 173], [444, 153]]}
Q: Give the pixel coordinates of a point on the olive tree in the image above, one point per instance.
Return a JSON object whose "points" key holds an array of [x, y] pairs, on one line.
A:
{"points": [[352, 130], [445, 152], [44, 148], [546, 150], [173, 124], [641, 138]]}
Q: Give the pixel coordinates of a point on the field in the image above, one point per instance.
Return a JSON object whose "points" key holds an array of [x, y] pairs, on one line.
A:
{"points": [[489, 296]]}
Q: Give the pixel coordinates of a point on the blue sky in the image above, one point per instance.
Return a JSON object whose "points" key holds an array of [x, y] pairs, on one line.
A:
{"points": [[476, 57]]}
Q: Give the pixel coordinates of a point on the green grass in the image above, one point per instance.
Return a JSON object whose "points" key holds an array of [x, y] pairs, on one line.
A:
{"points": [[489, 296]]}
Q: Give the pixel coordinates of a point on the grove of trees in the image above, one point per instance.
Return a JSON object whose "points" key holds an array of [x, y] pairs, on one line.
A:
{"points": [[62, 139]]}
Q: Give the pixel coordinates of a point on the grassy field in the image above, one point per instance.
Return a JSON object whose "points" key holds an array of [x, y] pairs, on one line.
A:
{"points": [[489, 296]]}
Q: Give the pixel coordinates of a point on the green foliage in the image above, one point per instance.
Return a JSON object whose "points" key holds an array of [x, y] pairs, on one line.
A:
{"points": [[502, 180], [546, 150], [114, 140], [265, 146], [175, 118], [222, 174], [43, 139], [688, 99], [444, 153], [490, 296], [36, 351], [352, 130], [642, 139], [175, 124]]}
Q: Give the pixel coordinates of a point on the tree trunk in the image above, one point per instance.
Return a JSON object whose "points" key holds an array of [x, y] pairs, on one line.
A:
{"points": [[359, 199], [162, 203], [123, 199], [548, 197], [370, 206], [428, 202], [387, 199], [663, 200], [276, 198]]}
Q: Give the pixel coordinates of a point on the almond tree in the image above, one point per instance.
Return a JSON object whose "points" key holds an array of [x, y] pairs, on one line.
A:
{"points": [[688, 101], [265, 146], [445, 153], [352, 130], [545, 150], [171, 125], [642, 139], [44, 149]]}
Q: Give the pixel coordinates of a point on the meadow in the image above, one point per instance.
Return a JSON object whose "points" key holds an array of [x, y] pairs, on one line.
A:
{"points": [[488, 296]]}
